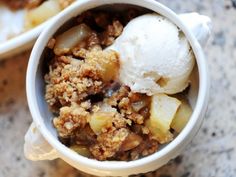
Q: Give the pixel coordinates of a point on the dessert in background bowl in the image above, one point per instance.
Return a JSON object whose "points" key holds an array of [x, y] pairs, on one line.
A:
{"points": [[85, 91], [21, 16]]}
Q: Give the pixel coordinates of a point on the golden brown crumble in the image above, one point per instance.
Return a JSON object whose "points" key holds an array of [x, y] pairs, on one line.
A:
{"points": [[79, 52], [112, 27], [112, 31], [70, 118], [109, 143], [65, 84]]}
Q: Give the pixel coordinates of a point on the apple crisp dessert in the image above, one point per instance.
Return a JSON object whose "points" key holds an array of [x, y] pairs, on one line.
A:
{"points": [[95, 114]]}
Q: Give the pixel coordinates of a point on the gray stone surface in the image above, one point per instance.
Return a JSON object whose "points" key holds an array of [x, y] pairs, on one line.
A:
{"points": [[212, 153]]}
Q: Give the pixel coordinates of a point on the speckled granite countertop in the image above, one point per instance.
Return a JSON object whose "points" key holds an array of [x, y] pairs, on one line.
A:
{"points": [[211, 154]]}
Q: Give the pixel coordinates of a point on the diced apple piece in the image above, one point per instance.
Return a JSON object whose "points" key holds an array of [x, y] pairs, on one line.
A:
{"points": [[106, 62], [70, 38], [100, 120], [162, 112], [182, 116], [130, 142], [110, 67], [159, 135], [82, 150], [42, 13], [137, 106]]}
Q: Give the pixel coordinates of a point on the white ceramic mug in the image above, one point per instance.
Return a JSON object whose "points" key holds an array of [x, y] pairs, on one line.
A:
{"points": [[41, 142]]}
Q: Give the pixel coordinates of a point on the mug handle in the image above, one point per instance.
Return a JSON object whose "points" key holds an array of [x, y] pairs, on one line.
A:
{"points": [[200, 25], [36, 147]]}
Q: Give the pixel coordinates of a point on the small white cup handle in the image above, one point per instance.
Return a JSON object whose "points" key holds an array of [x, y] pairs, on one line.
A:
{"points": [[36, 147], [200, 25]]}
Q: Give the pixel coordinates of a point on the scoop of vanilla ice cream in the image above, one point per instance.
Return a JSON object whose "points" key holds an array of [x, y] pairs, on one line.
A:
{"points": [[155, 56]]}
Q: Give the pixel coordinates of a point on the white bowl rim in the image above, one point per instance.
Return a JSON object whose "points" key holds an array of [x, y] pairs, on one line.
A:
{"points": [[25, 37], [118, 165]]}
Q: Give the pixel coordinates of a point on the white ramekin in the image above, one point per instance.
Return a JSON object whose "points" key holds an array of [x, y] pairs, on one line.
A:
{"points": [[41, 141]]}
